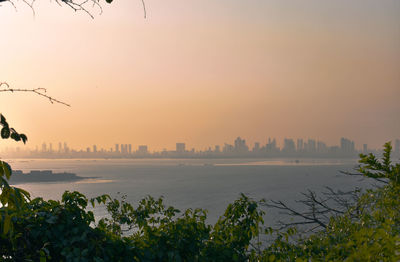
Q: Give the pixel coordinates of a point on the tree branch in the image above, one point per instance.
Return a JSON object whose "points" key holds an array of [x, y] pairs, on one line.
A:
{"points": [[83, 5], [5, 87]]}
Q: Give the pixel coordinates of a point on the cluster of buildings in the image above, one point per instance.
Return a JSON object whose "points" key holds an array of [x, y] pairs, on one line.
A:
{"points": [[289, 148]]}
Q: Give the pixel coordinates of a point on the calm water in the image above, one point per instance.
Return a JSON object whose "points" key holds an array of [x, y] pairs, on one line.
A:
{"points": [[199, 183]]}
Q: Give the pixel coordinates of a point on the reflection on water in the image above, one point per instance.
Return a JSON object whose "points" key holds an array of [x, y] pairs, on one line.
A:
{"points": [[94, 181], [296, 162]]}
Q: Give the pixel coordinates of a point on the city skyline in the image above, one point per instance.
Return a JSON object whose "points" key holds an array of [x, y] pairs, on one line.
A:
{"points": [[288, 148], [204, 72]]}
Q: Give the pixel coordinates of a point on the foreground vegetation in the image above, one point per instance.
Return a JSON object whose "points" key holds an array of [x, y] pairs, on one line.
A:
{"points": [[366, 229]]}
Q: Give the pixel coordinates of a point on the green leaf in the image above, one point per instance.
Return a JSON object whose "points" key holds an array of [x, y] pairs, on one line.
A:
{"points": [[3, 120], [7, 224], [5, 169], [42, 256], [15, 136], [23, 137], [5, 132]]}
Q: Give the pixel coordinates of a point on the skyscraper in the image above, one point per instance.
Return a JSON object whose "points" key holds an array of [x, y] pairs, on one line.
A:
{"points": [[240, 146], [300, 145], [180, 147], [346, 145]]}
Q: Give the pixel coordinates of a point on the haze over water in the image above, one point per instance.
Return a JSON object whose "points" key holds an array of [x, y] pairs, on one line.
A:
{"points": [[201, 73], [188, 183]]}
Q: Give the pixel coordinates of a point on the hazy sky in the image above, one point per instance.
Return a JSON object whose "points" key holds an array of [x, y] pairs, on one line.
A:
{"points": [[204, 72]]}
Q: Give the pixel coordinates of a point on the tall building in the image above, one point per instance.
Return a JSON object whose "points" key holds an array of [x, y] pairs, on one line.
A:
{"points": [[288, 145], [227, 148], [130, 149], [240, 145], [116, 148], [271, 145], [66, 148], [346, 145], [123, 149], [44, 147], [300, 145], [94, 149], [256, 147], [180, 147], [322, 147], [310, 146]]}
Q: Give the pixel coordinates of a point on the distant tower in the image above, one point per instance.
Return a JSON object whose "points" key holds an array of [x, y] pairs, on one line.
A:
{"points": [[94, 149], [288, 145], [180, 147], [346, 145], [312, 146], [240, 145], [256, 147], [116, 148], [300, 145], [66, 149]]}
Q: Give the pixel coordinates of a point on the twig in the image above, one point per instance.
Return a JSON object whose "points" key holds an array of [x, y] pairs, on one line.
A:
{"points": [[74, 5], [39, 91], [144, 9]]}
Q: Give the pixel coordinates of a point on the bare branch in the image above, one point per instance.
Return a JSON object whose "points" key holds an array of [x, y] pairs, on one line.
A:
{"points": [[85, 6], [5, 87], [316, 210], [144, 9]]}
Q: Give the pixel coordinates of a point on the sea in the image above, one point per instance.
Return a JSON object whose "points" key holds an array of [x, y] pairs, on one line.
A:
{"points": [[209, 184]]}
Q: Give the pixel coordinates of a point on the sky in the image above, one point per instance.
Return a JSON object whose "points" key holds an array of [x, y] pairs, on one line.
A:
{"points": [[203, 72]]}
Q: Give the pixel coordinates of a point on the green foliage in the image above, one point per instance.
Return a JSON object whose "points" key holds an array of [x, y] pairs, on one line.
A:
{"points": [[39, 230], [371, 167], [8, 132]]}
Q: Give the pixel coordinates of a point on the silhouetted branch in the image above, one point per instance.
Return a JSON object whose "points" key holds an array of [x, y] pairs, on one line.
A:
{"points": [[144, 9], [316, 210], [5, 87], [83, 5]]}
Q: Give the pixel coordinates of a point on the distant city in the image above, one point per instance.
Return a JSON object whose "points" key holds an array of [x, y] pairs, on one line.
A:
{"points": [[299, 148]]}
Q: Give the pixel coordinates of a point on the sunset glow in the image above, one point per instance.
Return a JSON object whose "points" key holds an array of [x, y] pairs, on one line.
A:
{"points": [[204, 72]]}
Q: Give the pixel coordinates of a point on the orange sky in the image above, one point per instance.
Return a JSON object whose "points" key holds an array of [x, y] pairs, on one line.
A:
{"points": [[204, 72]]}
